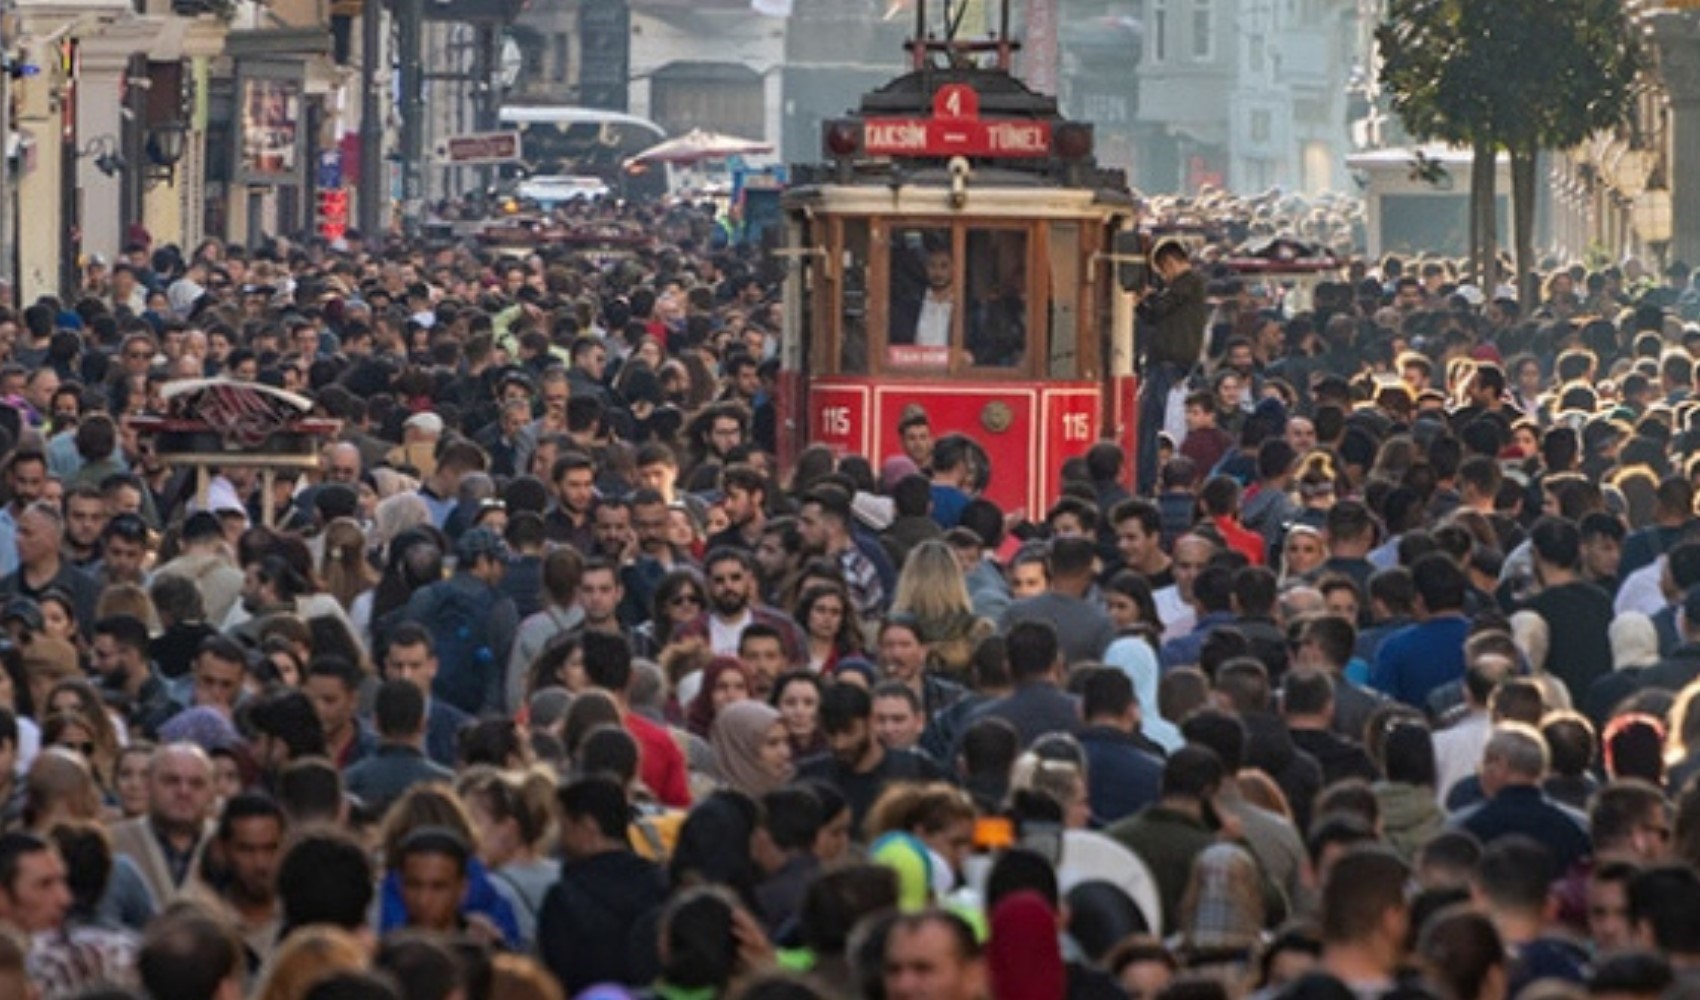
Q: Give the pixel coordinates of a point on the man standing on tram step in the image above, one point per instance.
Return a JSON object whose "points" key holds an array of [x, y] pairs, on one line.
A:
{"points": [[1171, 337]]}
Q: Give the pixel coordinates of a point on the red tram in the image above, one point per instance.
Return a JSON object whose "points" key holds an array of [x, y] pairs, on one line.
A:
{"points": [[961, 252]]}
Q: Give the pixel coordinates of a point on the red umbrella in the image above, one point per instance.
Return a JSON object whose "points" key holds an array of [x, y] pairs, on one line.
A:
{"points": [[697, 145]]}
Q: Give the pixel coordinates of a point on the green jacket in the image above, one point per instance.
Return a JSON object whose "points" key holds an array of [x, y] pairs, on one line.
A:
{"points": [[1167, 841]]}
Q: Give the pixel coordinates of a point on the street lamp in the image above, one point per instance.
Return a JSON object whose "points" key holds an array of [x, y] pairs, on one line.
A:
{"points": [[164, 147]]}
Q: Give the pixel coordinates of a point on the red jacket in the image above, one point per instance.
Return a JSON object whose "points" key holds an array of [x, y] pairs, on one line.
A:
{"points": [[1240, 539], [660, 761]]}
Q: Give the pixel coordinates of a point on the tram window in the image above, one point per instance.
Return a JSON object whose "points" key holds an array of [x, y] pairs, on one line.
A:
{"points": [[924, 298], [853, 325], [996, 271], [1065, 292]]}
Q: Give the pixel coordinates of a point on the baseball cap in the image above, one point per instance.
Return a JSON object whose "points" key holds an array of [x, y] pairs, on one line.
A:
{"points": [[25, 610]]}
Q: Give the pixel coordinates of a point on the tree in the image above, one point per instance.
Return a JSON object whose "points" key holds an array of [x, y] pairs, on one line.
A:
{"points": [[1439, 76], [1518, 75]]}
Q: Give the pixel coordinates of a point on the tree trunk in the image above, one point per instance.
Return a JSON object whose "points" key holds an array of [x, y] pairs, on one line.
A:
{"points": [[1523, 162], [1484, 228]]}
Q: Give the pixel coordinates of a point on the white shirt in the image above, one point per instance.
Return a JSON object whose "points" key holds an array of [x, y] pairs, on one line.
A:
{"points": [[1641, 591], [1458, 750], [933, 328], [723, 637], [1178, 616]]}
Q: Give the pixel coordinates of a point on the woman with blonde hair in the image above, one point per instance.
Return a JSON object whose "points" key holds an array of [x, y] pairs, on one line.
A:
{"points": [[307, 957], [931, 589], [344, 570], [513, 814]]}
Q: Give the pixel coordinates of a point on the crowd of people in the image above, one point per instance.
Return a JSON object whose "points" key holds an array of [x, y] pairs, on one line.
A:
{"points": [[548, 681]]}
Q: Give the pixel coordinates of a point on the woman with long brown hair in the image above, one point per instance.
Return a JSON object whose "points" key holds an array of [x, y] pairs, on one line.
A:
{"points": [[344, 569]]}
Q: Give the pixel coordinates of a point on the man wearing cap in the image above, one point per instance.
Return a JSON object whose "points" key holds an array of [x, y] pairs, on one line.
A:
{"points": [[472, 623], [1172, 338]]}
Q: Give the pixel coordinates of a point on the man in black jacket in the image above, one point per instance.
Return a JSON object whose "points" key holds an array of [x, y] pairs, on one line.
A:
{"points": [[591, 927], [1171, 339]]}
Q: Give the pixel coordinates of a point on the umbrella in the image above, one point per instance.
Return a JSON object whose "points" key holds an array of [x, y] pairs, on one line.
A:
{"points": [[697, 145]]}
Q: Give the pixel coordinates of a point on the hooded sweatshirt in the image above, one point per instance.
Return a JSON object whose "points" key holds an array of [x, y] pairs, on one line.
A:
{"points": [[590, 930]]}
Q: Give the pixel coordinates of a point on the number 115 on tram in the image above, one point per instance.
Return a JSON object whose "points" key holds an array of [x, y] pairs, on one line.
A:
{"points": [[960, 254]]}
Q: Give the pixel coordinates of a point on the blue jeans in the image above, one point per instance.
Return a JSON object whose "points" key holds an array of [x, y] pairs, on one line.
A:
{"points": [[1157, 381]]}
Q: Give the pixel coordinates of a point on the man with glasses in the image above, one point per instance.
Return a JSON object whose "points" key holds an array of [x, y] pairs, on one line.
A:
{"points": [[137, 354], [732, 583]]}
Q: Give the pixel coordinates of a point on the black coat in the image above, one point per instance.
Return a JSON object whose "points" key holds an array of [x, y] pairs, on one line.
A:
{"points": [[589, 930]]}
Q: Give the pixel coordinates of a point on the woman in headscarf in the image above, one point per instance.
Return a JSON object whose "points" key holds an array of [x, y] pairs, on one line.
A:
{"points": [[1634, 648], [1222, 914], [752, 749], [1134, 656], [1024, 954]]}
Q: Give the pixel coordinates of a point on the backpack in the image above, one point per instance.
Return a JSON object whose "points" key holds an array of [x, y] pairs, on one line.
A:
{"points": [[459, 618]]}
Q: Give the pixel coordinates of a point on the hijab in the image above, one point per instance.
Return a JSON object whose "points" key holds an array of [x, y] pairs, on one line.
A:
{"points": [[1133, 656], [1024, 955], [737, 737]]}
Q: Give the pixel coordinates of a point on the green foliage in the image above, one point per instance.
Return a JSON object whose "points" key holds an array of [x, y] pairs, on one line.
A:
{"points": [[1520, 74]]}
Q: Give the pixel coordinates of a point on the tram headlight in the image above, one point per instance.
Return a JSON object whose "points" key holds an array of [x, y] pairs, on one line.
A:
{"points": [[843, 139], [1074, 141]]}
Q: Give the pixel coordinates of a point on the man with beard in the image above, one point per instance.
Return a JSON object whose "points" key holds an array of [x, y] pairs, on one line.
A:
{"points": [[824, 521], [85, 519], [746, 508], [124, 551], [122, 669], [27, 478], [569, 520], [732, 581], [858, 765], [249, 846], [167, 843], [926, 321], [615, 540], [656, 556]]}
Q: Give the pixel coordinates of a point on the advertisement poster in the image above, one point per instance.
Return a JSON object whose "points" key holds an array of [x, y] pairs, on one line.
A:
{"points": [[271, 121]]}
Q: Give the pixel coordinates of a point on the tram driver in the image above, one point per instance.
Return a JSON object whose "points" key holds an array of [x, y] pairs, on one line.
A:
{"points": [[923, 312], [923, 316]]}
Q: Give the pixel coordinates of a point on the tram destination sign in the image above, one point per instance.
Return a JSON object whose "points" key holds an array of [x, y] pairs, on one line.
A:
{"points": [[956, 129], [928, 137]]}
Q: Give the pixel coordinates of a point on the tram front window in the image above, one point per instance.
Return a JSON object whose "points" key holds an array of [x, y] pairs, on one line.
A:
{"points": [[934, 323]]}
